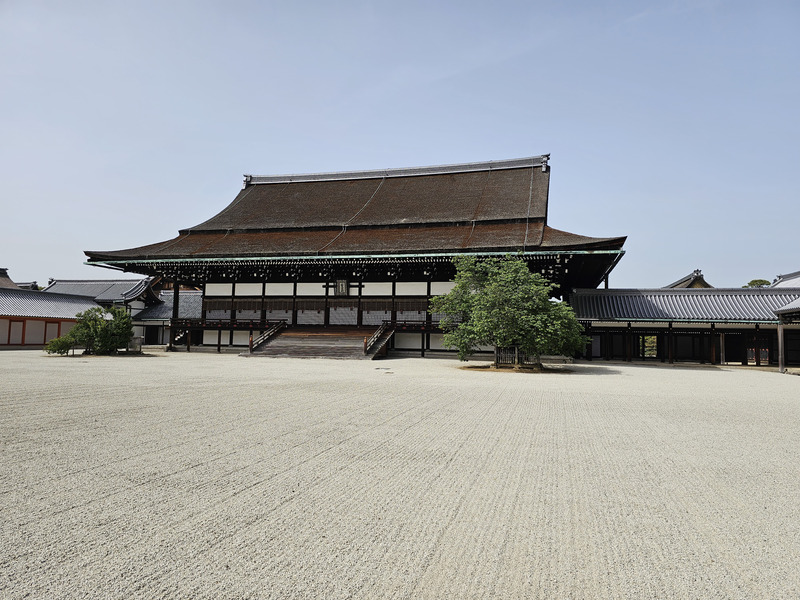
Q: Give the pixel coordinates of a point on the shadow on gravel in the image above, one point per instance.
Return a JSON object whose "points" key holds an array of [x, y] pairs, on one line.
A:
{"points": [[546, 370], [120, 355]]}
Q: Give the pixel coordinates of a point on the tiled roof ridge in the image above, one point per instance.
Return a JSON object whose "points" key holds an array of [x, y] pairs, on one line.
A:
{"points": [[492, 165], [704, 291], [50, 295], [109, 281]]}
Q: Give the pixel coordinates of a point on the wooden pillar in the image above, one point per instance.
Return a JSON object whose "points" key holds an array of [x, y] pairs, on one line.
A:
{"points": [[326, 315], [757, 346], [393, 315], [176, 290], [629, 345], [746, 337], [263, 316], [781, 357], [219, 340], [428, 316], [712, 341], [294, 302], [359, 313], [588, 353], [670, 344], [722, 347], [233, 313]]}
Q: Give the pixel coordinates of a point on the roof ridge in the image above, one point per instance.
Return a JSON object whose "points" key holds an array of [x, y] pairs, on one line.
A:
{"points": [[514, 163], [706, 291]]}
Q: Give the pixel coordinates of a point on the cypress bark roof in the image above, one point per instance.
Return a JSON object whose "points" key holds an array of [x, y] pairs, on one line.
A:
{"points": [[493, 206]]}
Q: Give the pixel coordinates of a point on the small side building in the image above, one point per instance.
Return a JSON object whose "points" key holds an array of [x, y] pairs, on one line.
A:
{"points": [[154, 321], [717, 325], [30, 319]]}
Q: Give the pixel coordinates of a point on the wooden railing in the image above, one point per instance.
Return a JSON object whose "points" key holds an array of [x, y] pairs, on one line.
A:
{"points": [[373, 339], [210, 324], [267, 335]]}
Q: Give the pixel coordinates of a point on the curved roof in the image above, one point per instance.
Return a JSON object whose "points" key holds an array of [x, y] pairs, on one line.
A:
{"points": [[498, 206], [389, 198], [103, 290], [683, 305]]}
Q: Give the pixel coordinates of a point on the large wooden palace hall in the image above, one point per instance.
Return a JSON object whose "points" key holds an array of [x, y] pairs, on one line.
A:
{"points": [[362, 249]]}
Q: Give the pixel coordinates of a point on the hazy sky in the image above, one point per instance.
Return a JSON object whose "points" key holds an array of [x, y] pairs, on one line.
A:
{"points": [[672, 122]]}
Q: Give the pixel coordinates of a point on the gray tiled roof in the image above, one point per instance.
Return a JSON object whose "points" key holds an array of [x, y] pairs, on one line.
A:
{"points": [[792, 307], [787, 280], [683, 305], [109, 290], [28, 303], [190, 306]]}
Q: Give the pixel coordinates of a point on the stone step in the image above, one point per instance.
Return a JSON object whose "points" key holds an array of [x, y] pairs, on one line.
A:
{"points": [[317, 343]]}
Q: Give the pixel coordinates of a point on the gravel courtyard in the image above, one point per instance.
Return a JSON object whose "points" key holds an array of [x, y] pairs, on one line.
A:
{"points": [[216, 476]]}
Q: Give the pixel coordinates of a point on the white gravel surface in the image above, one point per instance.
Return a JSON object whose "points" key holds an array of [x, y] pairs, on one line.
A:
{"points": [[214, 476]]}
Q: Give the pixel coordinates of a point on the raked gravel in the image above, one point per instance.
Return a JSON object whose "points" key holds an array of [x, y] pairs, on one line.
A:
{"points": [[214, 476]]}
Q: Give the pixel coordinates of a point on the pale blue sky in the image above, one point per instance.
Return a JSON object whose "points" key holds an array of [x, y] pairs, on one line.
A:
{"points": [[672, 122]]}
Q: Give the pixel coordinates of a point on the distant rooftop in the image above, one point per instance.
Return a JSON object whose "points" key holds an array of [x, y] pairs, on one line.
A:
{"points": [[5, 280], [101, 290], [694, 279], [788, 280]]}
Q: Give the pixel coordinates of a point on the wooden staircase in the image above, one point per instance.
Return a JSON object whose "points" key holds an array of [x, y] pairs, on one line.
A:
{"points": [[328, 342]]}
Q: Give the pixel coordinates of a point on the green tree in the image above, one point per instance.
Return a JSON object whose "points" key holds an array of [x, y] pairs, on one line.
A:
{"points": [[98, 331], [499, 302], [757, 283]]}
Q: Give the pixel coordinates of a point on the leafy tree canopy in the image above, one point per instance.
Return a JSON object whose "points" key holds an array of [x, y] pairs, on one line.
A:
{"points": [[757, 283], [499, 302], [98, 331]]}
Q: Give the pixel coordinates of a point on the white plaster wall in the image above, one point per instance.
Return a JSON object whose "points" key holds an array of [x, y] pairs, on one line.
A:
{"points": [[16, 333], [50, 332], [4, 331], [248, 289], [441, 287], [210, 338], [240, 338], [407, 341], [34, 332], [436, 341], [411, 288], [377, 288], [280, 289], [67, 327], [219, 289], [310, 289]]}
